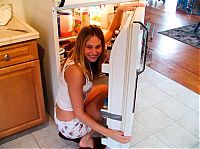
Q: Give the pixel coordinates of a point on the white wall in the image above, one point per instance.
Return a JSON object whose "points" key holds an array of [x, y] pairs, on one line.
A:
{"points": [[18, 7], [38, 14]]}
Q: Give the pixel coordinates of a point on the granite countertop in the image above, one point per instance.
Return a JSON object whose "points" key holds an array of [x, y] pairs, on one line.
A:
{"points": [[11, 36]]}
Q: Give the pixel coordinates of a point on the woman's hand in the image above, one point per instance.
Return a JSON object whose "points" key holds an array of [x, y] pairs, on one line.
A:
{"points": [[119, 136], [129, 7]]}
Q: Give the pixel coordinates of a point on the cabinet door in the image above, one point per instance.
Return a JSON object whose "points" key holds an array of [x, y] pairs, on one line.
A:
{"points": [[21, 98]]}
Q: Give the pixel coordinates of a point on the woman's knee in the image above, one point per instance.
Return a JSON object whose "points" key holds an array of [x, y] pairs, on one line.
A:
{"points": [[98, 93], [103, 89]]}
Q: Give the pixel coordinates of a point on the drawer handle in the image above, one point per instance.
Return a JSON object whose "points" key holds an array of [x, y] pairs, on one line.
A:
{"points": [[7, 57]]}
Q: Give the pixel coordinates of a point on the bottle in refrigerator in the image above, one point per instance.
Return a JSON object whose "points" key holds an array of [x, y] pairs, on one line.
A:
{"points": [[95, 15], [82, 18], [85, 17], [77, 20]]}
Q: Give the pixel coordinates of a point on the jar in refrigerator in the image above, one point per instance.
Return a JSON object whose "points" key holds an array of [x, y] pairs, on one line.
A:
{"points": [[65, 23]]}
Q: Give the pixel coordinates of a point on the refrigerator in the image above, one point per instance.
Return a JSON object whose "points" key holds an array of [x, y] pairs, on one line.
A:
{"points": [[127, 58]]}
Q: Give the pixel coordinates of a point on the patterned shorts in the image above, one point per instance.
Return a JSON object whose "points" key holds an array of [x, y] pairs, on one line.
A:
{"points": [[72, 129]]}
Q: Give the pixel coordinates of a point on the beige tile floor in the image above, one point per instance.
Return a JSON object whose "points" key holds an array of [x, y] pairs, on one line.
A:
{"points": [[166, 116]]}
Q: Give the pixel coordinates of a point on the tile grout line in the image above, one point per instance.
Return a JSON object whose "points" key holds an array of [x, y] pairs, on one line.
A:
{"points": [[154, 132], [178, 100], [35, 140]]}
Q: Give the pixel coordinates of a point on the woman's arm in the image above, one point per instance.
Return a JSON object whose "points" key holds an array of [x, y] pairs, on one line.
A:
{"points": [[116, 21], [75, 80]]}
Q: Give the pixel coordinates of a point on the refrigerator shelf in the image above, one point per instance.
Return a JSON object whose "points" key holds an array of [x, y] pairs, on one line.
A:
{"points": [[69, 4], [67, 38]]}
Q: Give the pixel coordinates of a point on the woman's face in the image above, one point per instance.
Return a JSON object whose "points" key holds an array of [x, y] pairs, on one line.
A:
{"points": [[93, 49]]}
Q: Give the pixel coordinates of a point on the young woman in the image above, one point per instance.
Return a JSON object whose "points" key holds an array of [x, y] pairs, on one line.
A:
{"points": [[77, 110]]}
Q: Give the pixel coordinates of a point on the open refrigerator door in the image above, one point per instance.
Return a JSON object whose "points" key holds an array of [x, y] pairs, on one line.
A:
{"points": [[127, 61]]}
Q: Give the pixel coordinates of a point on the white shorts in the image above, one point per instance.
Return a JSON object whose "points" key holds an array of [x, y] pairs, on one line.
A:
{"points": [[72, 129]]}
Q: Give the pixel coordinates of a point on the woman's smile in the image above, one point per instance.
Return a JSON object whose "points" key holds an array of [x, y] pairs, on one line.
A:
{"points": [[93, 49]]}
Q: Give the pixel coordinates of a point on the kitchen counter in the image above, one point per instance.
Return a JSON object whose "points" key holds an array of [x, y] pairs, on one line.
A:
{"points": [[10, 36]]}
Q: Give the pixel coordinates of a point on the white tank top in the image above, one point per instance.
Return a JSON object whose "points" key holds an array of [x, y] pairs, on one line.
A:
{"points": [[63, 99]]}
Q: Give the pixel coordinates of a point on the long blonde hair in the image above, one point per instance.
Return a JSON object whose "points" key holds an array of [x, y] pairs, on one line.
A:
{"points": [[77, 53]]}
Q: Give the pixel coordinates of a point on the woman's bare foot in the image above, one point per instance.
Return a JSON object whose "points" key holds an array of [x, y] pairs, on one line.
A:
{"points": [[86, 141]]}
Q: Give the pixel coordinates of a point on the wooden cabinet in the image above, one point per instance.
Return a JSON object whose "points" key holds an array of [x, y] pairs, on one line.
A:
{"points": [[18, 53], [21, 96]]}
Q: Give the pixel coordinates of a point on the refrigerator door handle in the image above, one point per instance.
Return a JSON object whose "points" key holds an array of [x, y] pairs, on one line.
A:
{"points": [[143, 56], [144, 47], [135, 92]]}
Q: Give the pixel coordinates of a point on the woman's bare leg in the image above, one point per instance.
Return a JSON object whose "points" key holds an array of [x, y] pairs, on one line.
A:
{"points": [[95, 101], [93, 105]]}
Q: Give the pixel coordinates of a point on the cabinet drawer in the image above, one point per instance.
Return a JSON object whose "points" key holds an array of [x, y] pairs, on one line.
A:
{"points": [[18, 53]]}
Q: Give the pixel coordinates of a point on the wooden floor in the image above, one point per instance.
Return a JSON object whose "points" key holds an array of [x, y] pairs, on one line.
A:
{"points": [[174, 59]]}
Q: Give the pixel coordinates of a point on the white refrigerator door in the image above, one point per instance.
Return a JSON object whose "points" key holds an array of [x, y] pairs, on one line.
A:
{"points": [[123, 71]]}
